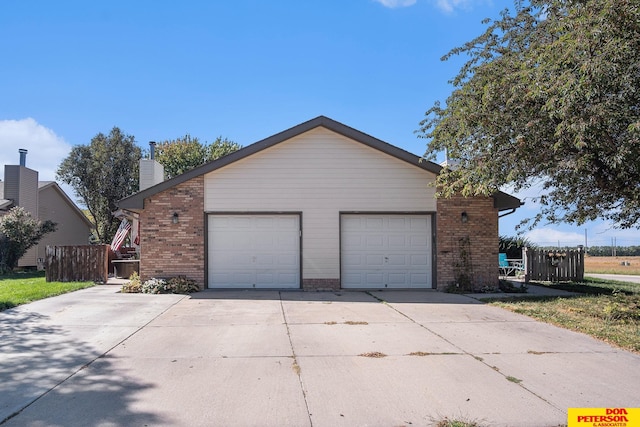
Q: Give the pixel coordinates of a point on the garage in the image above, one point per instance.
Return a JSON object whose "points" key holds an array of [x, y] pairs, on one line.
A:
{"points": [[254, 251], [386, 251]]}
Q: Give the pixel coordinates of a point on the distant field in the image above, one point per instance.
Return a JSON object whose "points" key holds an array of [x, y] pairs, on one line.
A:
{"points": [[612, 265]]}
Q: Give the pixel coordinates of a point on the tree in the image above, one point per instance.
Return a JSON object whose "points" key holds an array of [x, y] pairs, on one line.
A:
{"points": [[512, 246], [182, 154], [549, 95], [19, 232], [102, 173]]}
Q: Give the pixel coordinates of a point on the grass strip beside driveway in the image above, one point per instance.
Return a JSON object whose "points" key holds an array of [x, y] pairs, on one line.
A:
{"points": [[607, 310], [22, 288]]}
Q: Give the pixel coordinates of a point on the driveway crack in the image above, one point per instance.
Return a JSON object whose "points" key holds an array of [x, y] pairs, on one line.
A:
{"points": [[295, 366], [519, 383]]}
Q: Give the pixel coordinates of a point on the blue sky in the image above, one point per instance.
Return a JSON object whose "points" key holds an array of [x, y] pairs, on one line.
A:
{"points": [[239, 69]]}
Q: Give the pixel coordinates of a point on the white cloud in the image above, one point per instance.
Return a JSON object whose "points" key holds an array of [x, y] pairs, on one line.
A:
{"points": [[46, 150], [392, 4], [450, 6], [548, 236]]}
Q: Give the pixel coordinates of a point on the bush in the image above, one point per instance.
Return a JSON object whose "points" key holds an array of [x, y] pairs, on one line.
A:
{"points": [[174, 285], [182, 285], [155, 286], [19, 231], [133, 286]]}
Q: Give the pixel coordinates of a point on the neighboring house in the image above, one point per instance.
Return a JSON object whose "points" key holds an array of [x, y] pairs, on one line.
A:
{"points": [[45, 200], [318, 206]]}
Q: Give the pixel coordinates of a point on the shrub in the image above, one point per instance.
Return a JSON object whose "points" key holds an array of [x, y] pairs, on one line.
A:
{"points": [[155, 286], [19, 231], [174, 285], [133, 286], [182, 285]]}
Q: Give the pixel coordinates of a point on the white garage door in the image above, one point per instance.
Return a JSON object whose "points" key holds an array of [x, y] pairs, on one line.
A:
{"points": [[254, 251], [386, 251]]}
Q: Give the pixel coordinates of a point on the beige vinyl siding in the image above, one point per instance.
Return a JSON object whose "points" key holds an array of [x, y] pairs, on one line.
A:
{"points": [[320, 173], [71, 228]]}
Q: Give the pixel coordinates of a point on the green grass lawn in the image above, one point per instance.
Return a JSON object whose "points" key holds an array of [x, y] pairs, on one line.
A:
{"points": [[21, 288], [606, 310]]}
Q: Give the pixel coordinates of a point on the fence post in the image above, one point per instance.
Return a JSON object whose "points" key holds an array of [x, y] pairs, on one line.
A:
{"points": [[580, 264], [526, 264]]}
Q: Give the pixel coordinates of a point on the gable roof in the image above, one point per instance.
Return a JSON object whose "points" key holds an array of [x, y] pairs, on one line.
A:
{"points": [[43, 185], [136, 201]]}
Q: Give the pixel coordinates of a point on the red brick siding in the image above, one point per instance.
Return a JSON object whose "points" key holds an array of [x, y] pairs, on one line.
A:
{"points": [[167, 249], [321, 284], [478, 236]]}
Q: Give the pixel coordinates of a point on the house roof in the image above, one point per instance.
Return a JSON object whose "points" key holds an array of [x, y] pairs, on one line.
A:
{"points": [[136, 201], [43, 185], [4, 203]]}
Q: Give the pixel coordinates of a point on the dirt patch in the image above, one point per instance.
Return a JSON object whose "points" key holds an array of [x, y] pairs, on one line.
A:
{"points": [[351, 322], [374, 354]]}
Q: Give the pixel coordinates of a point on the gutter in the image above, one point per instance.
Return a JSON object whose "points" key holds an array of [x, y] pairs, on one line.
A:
{"points": [[511, 211]]}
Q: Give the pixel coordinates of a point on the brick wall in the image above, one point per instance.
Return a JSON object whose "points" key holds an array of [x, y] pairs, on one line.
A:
{"points": [[321, 284], [168, 249], [467, 247]]}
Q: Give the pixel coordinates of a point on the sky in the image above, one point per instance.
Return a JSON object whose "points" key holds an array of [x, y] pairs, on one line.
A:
{"points": [[242, 69]]}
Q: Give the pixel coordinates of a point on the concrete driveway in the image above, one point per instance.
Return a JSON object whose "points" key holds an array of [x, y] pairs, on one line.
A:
{"points": [[266, 358]]}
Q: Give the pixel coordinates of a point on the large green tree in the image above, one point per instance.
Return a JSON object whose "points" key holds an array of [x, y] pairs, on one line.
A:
{"points": [[182, 154], [102, 173], [549, 94], [19, 231]]}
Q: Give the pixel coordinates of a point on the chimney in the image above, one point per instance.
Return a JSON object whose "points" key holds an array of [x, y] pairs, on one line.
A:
{"points": [[21, 185], [151, 172], [23, 157]]}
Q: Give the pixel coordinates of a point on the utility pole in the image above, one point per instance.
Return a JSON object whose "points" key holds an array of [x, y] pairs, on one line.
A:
{"points": [[585, 240]]}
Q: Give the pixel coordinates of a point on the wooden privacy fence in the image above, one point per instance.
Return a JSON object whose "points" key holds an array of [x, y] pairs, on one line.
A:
{"points": [[553, 265], [77, 263]]}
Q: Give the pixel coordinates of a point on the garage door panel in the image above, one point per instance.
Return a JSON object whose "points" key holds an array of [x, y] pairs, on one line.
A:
{"points": [[265, 260], [374, 260], [352, 259], [372, 278], [254, 251], [397, 279], [418, 242], [288, 280], [418, 260], [398, 243], [372, 223], [397, 260], [397, 223], [386, 250], [374, 241], [287, 260]]}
